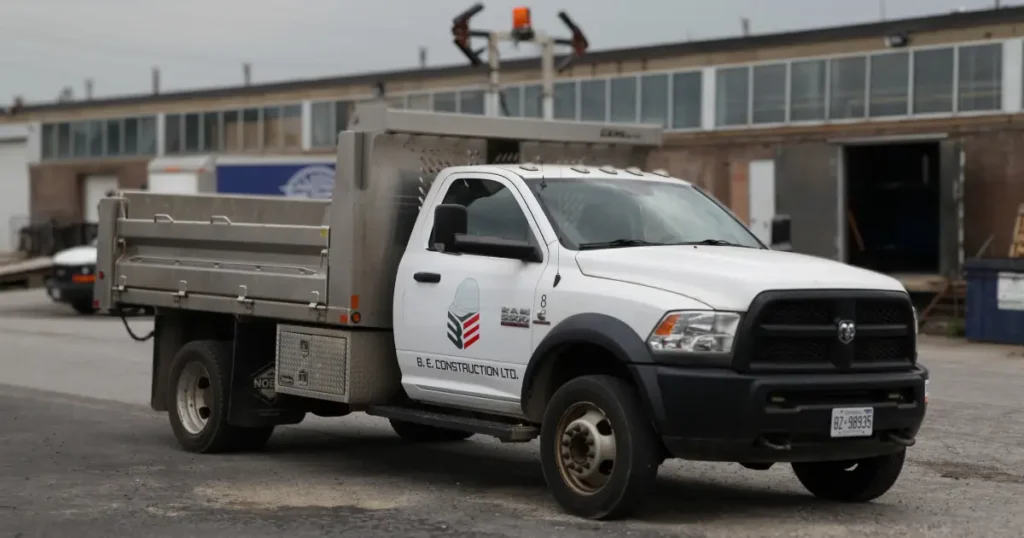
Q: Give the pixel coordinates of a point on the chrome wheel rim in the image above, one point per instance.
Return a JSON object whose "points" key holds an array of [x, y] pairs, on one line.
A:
{"points": [[193, 395], [585, 448]]}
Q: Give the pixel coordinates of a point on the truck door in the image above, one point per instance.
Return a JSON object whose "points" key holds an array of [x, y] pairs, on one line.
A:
{"points": [[464, 337]]}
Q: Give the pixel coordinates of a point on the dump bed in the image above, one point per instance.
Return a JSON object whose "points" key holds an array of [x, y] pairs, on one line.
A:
{"points": [[316, 260]]}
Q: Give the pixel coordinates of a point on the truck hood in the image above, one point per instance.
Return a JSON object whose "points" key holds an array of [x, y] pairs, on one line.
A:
{"points": [[84, 255], [726, 278]]}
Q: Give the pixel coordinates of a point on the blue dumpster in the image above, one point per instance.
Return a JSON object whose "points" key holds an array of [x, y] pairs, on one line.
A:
{"points": [[995, 300]]}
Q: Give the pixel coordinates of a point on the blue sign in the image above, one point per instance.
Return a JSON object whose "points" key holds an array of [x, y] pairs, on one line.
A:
{"points": [[295, 180]]}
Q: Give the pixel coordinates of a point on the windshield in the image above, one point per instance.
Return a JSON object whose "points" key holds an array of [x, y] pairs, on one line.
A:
{"points": [[606, 213]]}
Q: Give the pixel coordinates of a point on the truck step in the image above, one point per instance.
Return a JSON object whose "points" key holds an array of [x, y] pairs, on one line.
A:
{"points": [[506, 432]]}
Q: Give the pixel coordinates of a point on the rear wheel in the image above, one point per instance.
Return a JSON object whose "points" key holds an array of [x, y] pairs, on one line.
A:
{"points": [[198, 402], [851, 481], [599, 452], [421, 433]]}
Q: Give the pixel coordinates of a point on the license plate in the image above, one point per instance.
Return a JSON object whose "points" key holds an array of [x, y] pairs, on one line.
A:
{"points": [[853, 422]]}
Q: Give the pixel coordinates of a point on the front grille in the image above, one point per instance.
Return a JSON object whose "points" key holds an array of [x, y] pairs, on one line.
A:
{"points": [[802, 330]]}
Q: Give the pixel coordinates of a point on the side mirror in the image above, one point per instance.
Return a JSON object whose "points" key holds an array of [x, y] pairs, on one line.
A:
{"points": [[781, 233], [449, 221], [497, 247]]}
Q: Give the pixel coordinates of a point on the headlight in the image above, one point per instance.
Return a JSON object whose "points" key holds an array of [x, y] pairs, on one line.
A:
{"points": [[695, 332]]}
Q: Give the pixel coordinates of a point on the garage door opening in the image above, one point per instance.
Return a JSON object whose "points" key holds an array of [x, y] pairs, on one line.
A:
{"points": [[893, 207]]}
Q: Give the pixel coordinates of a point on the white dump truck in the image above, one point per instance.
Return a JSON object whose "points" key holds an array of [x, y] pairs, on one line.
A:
{"points": [[519, 278]]}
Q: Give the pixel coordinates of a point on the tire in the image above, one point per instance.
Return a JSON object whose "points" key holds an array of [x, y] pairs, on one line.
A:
{"points": [[199, 360], [841, 481], [421, 433], [637, 448], [84, 308]]}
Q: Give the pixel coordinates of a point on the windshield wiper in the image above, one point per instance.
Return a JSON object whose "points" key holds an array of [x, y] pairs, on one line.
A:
{"points": [[714, 243], [618, 243]]}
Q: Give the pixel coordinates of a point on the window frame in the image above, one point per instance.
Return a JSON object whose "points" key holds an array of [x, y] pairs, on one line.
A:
{"points": [[524, 207]]}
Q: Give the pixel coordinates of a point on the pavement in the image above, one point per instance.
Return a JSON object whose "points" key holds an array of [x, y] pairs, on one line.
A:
{"points": [[81, 454]]}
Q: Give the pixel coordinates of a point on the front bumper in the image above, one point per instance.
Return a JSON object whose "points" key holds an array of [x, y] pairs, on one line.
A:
{"points": [[722, 415]]}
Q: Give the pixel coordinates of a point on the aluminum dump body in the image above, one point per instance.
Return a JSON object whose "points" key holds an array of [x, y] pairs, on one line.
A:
{"points": [[324, 261]]}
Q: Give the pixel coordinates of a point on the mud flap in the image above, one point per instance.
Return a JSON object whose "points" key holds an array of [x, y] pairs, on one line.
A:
{"points": [[253, 401]]}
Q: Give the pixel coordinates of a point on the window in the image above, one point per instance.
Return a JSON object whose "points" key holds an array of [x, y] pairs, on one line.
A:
{"points": [[80, 139], [847, 85], [769, 93], [687, 98], [933, 81], [251, 129], [623, 100], [807, 90], [49, 141], [981, 78], [64, 140], [271, 127], [172, 134], [192, 132], [211, 132], [654, 99], [445, 102], [593, 100], [565, 100], [733, 96], [533, 106], [491, 209], [397, 103], [114, 138], [598, 210], [147, 135], [890, 80], [95, 129], [513, 98], [419, 101], [323, 124], [131, 137], [471, 102], [291, 126]]}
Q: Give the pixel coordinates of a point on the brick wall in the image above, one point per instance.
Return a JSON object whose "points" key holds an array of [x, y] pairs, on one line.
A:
{"points": [[994, 172], [57, 188]]}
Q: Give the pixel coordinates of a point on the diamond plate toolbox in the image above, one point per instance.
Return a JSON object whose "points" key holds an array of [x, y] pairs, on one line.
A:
{"points": [[312, 362]]}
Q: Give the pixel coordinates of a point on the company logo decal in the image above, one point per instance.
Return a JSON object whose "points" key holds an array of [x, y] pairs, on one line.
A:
{"points": [[464, 315], [310, 182], [263, 384], [847, 331]]}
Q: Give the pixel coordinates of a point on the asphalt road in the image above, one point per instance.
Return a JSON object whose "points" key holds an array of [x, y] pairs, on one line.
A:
{"points": [[82, 455]]}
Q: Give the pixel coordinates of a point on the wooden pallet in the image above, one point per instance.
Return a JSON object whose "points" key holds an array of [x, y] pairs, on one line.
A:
{"points": [[948, 306], [1017, 242]]}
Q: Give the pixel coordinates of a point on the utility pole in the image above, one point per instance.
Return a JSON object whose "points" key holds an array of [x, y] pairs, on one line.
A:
{"points": [[522, 32]]}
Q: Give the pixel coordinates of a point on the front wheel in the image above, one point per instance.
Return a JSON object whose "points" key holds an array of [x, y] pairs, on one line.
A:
{"points": [[851, 481], [599, 452], [198, 402]]}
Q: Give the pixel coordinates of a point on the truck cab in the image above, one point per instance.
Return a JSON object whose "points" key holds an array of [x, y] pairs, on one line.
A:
{"points": [[487, 276]]}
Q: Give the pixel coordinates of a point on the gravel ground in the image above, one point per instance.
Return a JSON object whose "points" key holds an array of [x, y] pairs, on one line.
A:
{"points": [[81, 454]]}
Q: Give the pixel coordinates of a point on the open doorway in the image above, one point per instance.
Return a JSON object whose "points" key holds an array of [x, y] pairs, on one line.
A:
{"points": [[893, 207]]}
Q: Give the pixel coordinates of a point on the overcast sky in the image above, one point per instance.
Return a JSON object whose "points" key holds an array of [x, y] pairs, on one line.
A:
{"points": [[48, 44]]}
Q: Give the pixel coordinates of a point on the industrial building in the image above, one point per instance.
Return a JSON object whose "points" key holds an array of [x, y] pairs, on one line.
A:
{"points": [[892, 145]]}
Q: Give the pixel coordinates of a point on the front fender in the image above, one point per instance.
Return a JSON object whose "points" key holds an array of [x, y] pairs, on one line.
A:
{"points": [[612, 334]]}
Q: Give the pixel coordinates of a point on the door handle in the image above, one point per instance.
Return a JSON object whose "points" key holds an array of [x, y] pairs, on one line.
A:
{"points": [[430, 278]]}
